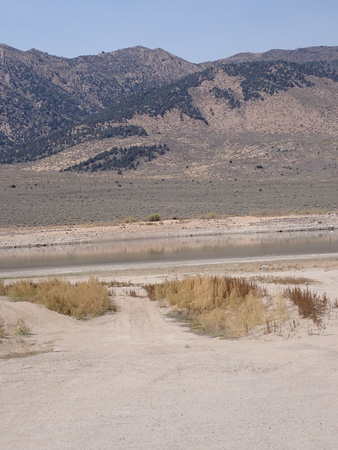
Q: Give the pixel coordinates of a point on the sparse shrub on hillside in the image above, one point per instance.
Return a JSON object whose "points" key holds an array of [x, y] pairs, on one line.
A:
{"points": [[156, 102], [60, 140], [229, 95], [119, 158]]}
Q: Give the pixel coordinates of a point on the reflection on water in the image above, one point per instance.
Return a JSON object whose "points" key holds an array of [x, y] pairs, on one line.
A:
{"points": [[127, 253]]}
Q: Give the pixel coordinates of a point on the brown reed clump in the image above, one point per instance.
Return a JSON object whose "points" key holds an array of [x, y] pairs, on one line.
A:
{"points": [[218, 305], [2, 333], [116, 283], [80, 300], [3, 288], [310, 304], [283, 280]]}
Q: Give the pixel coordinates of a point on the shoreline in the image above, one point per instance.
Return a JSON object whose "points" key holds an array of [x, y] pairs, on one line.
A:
{"points": [[151, 355], [35, 237]]}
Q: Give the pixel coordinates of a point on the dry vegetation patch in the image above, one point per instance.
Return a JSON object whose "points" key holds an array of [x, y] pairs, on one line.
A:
{"points": [[115, 283], [212, 215], [235, 307], [80, 300], [225, 306], [3, 289], [2, 332], [283, 280], [310, 304]]}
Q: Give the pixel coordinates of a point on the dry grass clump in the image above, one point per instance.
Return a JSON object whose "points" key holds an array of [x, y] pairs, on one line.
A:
{"points": [[85, 299], [283, 280], [130, 220], [3, 288], [310, 304], [21, 328], [22, 290], [2, 333], [211, 215], [132, 293], [269, 213], [116, 283], [155, 217], [94, 224], [221, 306]]}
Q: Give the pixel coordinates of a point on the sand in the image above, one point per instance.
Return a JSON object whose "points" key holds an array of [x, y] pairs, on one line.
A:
{"points": [[140, 379]]}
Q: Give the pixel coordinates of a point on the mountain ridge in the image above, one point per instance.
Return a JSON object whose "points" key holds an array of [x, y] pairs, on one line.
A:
{"points": [[233, 111], [58, 92], [299, 55], [263, 119]]}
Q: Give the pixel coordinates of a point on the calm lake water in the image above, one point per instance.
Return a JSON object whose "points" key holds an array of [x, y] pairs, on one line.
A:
{"points": [[157, 252]]}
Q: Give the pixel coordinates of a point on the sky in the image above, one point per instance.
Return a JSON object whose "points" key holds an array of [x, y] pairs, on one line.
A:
{"points": [[195, 30]]}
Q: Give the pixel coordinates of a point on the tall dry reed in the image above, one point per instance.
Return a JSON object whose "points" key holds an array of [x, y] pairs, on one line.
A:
{"points": [[218, 305], [3, 288], [310, 304]]}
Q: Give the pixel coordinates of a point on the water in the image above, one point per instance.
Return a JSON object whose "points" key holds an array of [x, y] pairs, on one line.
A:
{"points": [[160, 252]]}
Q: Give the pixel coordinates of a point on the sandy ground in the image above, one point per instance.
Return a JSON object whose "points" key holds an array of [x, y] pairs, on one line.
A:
{"points": [[140, 379]]}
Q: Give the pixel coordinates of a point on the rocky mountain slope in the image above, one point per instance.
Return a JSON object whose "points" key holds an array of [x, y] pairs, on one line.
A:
{"points": [[41, 93], [256, 118], [263, 118], [299, 55]]}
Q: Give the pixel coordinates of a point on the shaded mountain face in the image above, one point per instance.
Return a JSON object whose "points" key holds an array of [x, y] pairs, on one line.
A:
{"points": [[41, 93]]}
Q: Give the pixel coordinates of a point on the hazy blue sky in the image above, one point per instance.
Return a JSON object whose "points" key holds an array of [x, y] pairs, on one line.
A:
{"points": [[195, 30]]}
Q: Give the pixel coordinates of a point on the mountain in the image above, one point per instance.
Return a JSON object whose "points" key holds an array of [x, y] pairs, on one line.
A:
{"points": [[300, 55], [261, 119], [41, 93]]}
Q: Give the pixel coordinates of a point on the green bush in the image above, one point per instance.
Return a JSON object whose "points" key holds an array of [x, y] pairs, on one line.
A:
{"points": [[154, 217]]}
